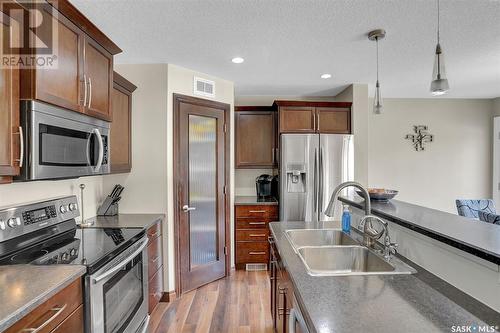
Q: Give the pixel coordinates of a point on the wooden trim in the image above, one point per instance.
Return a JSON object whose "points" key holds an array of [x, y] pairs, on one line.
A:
{"points": [[123, 82], [75, 16], [281, 103], [177, 99], [168, 296], [254, 108]]}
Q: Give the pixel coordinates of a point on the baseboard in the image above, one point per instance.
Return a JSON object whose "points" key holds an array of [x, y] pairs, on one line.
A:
{"points": [[168, 297]]}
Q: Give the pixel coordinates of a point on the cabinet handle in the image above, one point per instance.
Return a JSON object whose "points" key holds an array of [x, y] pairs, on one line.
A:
{"points": [[85, 90], [256, 253], [90, 93], [256, 211], [156, 259], [273, 151], [257, 235], [21, 146], [256, 223], [156, 234], [58, 311]]}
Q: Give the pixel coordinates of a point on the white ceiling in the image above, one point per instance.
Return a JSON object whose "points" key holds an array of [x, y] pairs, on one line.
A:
{"points": [[288, 44]]}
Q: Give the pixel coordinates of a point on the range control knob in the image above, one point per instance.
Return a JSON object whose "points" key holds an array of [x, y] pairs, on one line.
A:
{"points": [[63, 209], [2, 225], [72, 252], [65, 256], [72, 207], [14, 222]]}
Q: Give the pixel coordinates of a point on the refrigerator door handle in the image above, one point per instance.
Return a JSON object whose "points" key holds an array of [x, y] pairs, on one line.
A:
{"points": [[320, 181], [315, 194]]}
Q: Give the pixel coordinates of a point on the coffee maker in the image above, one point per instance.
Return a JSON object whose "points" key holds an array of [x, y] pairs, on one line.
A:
{"points": [[263, 184]]}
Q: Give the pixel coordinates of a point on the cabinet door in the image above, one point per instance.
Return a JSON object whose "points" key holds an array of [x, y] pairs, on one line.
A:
{"points": [[297, 119], [255, 139], [121, 130], [9, 112], [98, 74], [334, 120], [60, 86]]}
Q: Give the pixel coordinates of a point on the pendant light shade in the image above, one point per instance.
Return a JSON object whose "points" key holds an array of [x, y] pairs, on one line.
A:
{"points": [[439, 83], [375, 35]]}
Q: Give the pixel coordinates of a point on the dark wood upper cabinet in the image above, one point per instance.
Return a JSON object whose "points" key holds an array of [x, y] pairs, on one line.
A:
{"points": [[255, 132], [10, 135], [98, 72], [333, 120], [314, 117], [297, 119], [121, 127], [83, 78]]}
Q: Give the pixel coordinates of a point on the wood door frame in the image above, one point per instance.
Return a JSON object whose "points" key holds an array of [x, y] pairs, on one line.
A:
{"points": [[177, 99]]}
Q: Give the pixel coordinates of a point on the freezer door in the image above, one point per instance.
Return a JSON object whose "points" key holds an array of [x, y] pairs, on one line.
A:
{"points": [[299, 177], [335, 167]]}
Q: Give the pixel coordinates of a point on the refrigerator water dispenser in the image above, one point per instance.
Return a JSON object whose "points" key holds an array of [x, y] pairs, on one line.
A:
{"points": [[296, 178]]}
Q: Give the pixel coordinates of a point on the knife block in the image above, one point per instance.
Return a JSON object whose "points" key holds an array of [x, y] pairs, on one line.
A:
{"points": [[108, 207]]}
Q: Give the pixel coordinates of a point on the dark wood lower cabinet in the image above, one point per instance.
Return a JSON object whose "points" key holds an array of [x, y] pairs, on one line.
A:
{"points": [[155, 266]]}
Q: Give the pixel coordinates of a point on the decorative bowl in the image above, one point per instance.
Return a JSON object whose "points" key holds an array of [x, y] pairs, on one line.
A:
{"points": [[379, 194]]}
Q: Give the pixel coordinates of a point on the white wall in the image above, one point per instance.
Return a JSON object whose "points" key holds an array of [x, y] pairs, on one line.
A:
{"points": [[456, 165]]}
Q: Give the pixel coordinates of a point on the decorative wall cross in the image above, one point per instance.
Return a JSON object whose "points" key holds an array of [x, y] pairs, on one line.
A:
{"points": [[420, 137]]}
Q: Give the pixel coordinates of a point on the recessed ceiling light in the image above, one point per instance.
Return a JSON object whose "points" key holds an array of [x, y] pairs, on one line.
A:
{"points": [[237, 60], [326, 76]]}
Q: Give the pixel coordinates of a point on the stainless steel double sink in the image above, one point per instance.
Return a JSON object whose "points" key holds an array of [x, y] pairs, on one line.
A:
{"points": [[331, 252]]}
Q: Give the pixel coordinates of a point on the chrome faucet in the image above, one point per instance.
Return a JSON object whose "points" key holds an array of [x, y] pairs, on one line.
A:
{"points": [[370, 234]]}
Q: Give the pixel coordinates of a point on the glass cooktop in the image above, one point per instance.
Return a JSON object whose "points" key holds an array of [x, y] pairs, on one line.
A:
{"points": [[92, 247]]}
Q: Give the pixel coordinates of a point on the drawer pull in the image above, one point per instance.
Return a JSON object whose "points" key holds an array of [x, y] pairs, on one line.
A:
{"points": [[57, 312], [156, 259], [256, 211], [256, 253], [256, 223], [156, 234], [257, 235]]}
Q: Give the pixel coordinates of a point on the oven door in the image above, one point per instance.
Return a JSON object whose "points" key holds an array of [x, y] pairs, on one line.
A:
{"points": [[64, 144], [117, 294]]}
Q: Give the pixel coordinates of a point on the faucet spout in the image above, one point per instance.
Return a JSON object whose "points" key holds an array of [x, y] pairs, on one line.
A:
{"points": [[330, 210]]}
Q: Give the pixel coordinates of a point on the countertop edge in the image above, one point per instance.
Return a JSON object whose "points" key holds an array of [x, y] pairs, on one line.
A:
{"points": [[146, 220], [17, 315], [247, 200], [414, 226]]}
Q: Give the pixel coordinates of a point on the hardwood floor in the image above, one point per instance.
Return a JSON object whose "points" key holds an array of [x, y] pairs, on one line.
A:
{"points": [[239, 303]]}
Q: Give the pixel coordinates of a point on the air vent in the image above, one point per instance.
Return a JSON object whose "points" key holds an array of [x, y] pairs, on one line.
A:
{"points": [[256, 267], [204, 87]]}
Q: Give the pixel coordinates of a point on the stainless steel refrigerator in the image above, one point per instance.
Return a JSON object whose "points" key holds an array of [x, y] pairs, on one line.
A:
{"points": [[312, 165]]}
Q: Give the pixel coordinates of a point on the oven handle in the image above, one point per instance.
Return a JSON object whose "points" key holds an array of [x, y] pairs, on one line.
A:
{"points": [[124, 262], [101, 150]]}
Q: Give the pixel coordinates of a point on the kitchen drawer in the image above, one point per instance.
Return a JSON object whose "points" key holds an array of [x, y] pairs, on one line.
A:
{"points": [[252, 252], [154, 256], [259, 211], [251, 224], [53, 311], [73, 324], [154, 231], [155, 289], [252, 235]]}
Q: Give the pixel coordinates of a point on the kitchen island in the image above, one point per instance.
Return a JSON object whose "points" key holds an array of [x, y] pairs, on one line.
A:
{"points": [[378, 303]]}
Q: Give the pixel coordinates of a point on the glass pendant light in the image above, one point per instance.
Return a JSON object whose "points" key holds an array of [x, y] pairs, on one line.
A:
{"points": [[439, 84], [375, 35]]}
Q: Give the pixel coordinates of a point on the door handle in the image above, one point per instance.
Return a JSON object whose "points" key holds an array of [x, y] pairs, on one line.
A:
{"points": [[186, 208]]}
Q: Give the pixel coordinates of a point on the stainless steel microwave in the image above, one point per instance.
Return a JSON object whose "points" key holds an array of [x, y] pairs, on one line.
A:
{"points": [[57, 143]]}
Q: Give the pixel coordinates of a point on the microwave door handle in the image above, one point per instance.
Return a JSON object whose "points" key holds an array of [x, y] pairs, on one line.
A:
{"points": [[118, 267], [101, 150]]}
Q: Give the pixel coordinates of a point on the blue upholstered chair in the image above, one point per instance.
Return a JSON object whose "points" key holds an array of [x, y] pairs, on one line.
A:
{"points": [[489, 217], [471, 208]]}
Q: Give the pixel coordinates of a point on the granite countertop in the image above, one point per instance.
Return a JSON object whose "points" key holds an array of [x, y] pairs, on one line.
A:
{"points": [[384, 303], [24, 287], [143, 221], [475, 237], [253, 200]]}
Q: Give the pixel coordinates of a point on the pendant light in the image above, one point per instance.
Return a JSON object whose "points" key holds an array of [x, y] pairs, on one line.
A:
{"points": [[375, 35], [439, 84]]}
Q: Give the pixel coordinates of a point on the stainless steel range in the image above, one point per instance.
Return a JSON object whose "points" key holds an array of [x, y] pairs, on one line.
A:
{"points": [[116, 284]]}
